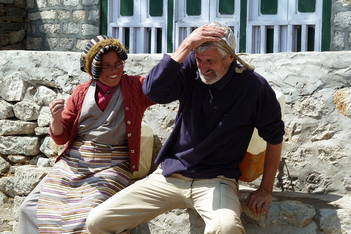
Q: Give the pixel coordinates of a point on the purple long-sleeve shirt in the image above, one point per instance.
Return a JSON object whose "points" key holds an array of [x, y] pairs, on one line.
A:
{"points": [[215, 122]]}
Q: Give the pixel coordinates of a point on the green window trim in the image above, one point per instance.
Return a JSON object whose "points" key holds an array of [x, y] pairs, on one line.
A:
{"points": [[103, 17], [306, 6], [126, 7], [269, 7], [156, 7], [243, 22], [193, 7], [326, 24], [226, 7], [170, 12]]}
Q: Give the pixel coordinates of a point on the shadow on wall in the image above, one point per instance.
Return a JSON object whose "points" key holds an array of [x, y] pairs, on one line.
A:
{"points": [[61, 25], [12, 22]]}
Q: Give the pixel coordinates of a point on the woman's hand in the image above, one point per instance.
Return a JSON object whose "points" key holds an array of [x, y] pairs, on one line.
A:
{"points": [[56, 109]]}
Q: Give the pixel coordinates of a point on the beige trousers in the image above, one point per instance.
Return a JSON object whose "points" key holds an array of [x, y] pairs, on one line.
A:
{"points": [[216, 200]]}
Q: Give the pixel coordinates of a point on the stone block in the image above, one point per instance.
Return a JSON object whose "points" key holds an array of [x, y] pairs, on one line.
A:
{"points": [[6, 1], [4, 166], [30, 4], [89, 30], [343, 19], [16, 127], [43, 96], [46, 15], [20, 3], [49, 147], [19, 145], [63, 14], [70, 2], [339, 40], [41, 3], [4, 39], [71, 28], [6, 110], [3, 198], [7, 186], [81, 44], [13, 87], [94, 15], [50, 28], [90, 2], [53, 3], [335, 221], [15, 37], [44, 117], [34, 43], [26, 110], [17, 158], [41, 131], [342, 100], [79, 15], [34, 16], [26, 178]]}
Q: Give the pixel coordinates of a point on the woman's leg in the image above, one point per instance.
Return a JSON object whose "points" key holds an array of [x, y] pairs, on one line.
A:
{"points": [[28, 223]]}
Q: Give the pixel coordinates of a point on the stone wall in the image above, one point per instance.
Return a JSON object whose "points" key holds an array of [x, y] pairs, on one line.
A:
{"points": [[61, 25], [341, 25], [12, 24], [316, 181]]}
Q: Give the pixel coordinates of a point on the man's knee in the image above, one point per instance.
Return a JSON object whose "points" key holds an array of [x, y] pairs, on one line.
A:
{"points": [[225, 229], [94, 221], [225, 226]]}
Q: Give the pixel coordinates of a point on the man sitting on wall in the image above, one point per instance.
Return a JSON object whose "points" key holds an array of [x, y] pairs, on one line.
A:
{"points": [[221, 102]]}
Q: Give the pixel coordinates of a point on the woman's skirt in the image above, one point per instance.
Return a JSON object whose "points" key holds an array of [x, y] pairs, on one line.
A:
{"points": [[87, 175]]}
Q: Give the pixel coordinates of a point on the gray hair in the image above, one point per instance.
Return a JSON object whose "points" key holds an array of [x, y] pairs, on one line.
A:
{"points": [[226, 46]]}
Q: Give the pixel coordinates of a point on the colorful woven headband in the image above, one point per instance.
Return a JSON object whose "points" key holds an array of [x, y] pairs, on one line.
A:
{"points": [[90, 59]]}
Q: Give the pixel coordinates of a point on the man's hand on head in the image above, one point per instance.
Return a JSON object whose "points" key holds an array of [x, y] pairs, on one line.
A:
{"points": [[203, 34], [196, 38]]}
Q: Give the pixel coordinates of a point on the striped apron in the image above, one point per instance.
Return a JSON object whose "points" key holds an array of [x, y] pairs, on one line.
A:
{"points": [[87, 175]]}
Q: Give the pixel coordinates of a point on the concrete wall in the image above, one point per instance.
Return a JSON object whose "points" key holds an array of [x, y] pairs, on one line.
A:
{"points": [[316, 183], [61, 25], [12, 24]]}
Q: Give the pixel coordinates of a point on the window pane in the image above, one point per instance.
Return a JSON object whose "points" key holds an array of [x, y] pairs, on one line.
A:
{"points": [[298, 38], [193, 7], [226, 7], [307, 6], [269, 7], [310, 38], [270, 40], [156, 7], [126, 7]]}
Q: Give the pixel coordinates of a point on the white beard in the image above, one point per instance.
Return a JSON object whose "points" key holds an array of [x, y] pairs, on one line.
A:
{"points": [[209, 80]]}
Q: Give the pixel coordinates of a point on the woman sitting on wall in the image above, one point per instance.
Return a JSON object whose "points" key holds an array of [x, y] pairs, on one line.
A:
{"points": [[100, 124]]}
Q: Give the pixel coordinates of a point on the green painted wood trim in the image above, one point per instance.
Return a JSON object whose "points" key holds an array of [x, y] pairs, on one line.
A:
{"points": [[306, 6], [243, 22], [170, 12], [269, 7], [156, 7], [103, 17], [226, 7], [193, 7], [126, 7], [326, 25]]}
